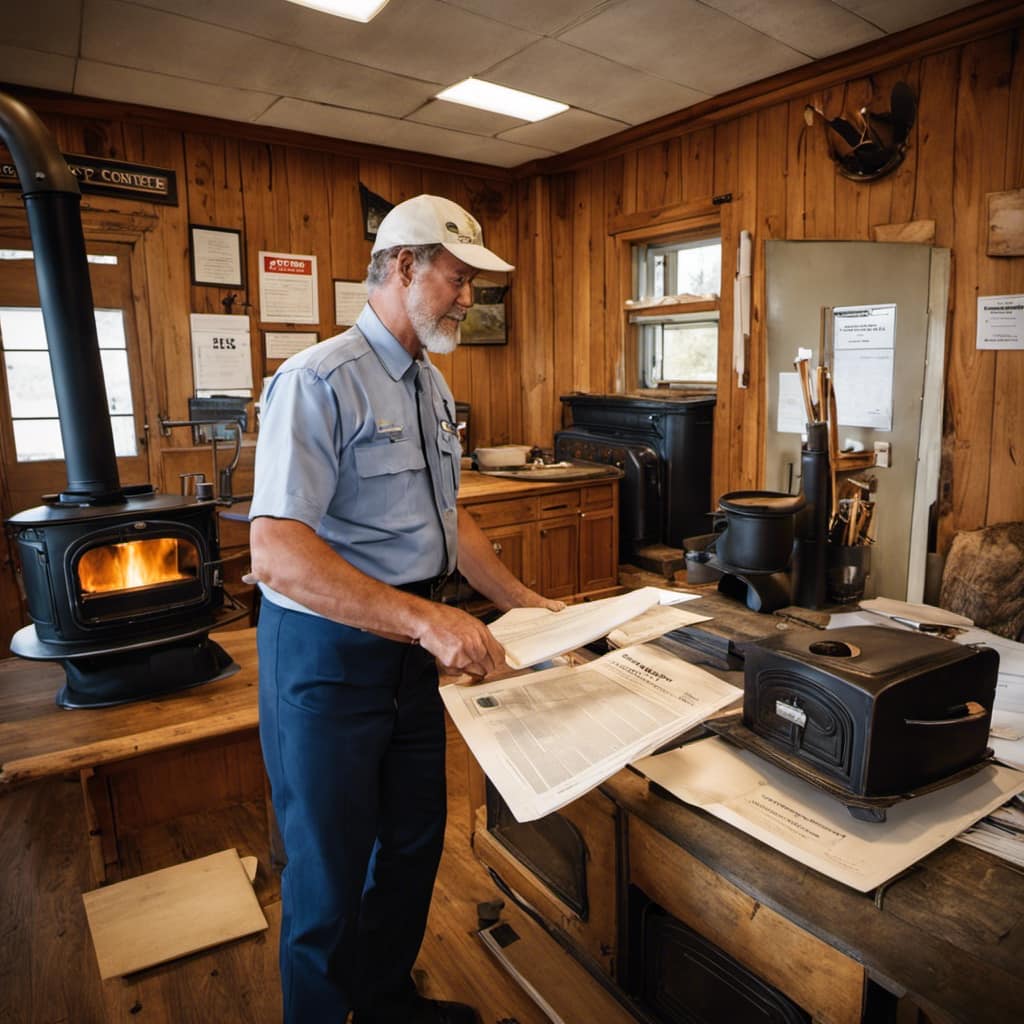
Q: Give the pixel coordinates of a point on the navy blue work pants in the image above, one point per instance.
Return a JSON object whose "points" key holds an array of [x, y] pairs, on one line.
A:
{"points": [[352, 730]]}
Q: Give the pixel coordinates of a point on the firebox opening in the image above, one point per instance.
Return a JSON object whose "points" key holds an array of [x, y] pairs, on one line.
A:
{"points": [[136, 565]]}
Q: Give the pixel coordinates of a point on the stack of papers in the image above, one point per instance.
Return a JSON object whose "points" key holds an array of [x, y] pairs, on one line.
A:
{"points": [[815, 829], [546, 738], [1007, 735], [533, 635], [1001, 833]]}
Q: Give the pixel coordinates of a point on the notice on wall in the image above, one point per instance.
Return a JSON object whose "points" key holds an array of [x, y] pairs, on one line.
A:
{"points": [[792, 416], [349, 299], [282, 344], [221, 354], [863, 358], [1001, 321], [288, 289]]}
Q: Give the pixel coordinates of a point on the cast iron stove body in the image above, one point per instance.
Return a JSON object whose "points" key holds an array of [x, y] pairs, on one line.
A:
{"points": [[871, 711], [662, 446]]}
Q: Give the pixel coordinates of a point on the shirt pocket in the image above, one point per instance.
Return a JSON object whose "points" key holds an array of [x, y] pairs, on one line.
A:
{"points": [[450, 447], [388, 458]]}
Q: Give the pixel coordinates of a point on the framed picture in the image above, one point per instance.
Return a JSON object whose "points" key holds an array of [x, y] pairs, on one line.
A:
{"points": [[485, 321], [216, 256], [375, 208]]}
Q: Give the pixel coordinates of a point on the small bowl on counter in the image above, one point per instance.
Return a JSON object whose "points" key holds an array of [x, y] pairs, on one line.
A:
{"points": [[502, 456]]}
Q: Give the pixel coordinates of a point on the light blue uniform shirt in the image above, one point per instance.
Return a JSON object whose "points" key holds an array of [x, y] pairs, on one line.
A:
{"points": [[340, 450]]}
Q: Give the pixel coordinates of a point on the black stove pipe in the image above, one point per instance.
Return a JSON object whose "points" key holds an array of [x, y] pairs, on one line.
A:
{"points": [[52, 203]]}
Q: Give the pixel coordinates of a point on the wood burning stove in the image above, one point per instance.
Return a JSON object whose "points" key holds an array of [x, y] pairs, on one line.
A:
{"points": [[122, 584], [663, 446]]}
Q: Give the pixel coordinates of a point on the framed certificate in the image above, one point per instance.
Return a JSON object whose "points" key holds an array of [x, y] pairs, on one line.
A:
{"points": [[216, 256]]}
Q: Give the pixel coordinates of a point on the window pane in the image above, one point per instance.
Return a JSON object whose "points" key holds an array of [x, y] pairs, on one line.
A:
{"points": [[22, 328], [110, 328], [690, 352], [125, 442], [118, 383], [37, 439], [30, 384], [699, 269]]}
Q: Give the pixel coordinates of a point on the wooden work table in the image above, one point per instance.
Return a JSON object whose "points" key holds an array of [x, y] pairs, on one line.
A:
{"points": [[948, 933], [141, 763]]}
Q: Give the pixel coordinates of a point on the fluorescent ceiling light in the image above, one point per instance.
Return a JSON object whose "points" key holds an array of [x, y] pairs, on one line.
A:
{"points": [[487, 96], [354, 10]]}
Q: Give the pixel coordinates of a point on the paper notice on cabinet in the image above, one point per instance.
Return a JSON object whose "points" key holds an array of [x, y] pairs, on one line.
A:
{"points": [[864, 339], [546, 738], [533, 635], [817, 830]]}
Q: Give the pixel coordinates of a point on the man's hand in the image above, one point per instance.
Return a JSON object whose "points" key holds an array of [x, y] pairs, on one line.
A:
{"points": [[460, 642]]}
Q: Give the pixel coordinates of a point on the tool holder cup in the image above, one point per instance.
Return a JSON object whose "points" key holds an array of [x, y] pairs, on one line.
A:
{"points": [[848, 569]]}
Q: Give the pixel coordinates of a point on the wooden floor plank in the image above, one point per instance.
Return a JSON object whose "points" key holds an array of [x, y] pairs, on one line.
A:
{"points": [[48, 971]]}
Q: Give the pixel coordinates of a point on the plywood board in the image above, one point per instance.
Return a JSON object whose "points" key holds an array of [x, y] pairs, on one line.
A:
{"points": [[1006, 223], [561, 986], [166, 914], [919, 231]]}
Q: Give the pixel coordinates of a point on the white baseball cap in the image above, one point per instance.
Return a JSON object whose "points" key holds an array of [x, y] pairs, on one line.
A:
{"points": [[433, 220]]}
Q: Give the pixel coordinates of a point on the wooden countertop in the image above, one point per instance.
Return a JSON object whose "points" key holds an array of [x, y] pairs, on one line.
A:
{"points": [[39, 739], [475, 487], [482, 487]]}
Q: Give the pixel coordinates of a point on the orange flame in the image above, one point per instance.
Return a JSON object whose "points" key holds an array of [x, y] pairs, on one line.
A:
{"points": [[138, 563]]}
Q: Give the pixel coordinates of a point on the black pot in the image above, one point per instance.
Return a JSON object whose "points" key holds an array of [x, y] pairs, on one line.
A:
{"points": [[759, 528]]}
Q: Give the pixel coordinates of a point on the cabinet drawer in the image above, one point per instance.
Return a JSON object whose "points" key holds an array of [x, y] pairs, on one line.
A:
{"points": [[504, 513], [559, 503], [598, 496]]}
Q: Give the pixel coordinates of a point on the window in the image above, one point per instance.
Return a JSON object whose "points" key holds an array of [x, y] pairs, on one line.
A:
{"points": [[688, 270], [677, 346], [30, 383]]}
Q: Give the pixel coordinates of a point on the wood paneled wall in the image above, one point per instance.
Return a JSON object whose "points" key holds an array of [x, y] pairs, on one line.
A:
{"points": [[283, 197], [569, 231], [968, 141]]}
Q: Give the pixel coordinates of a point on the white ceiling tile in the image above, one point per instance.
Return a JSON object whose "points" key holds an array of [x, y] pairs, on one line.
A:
{"points": [[425, 39], [47, 25], [893, 15], [35, 69], [445, 114], [685, 42], [148, 40], [154, 90], [564, 131], [561, 72], [814, 27], [541, 16], [358, 126]]}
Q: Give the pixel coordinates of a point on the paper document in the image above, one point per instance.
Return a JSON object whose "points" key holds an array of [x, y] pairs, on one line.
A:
{"points": [[914, 614], [532, 635], [654, 622], [1001, 833], [815, 829], [546, 738]]}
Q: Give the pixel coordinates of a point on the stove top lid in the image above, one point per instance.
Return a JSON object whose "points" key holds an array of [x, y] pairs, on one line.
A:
{"points": [[135, 505]]}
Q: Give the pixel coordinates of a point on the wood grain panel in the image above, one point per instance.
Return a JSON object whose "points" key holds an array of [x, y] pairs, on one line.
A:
{"points": [[970, 388]]}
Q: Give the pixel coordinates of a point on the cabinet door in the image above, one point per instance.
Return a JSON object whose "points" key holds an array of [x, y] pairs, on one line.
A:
{"points": [[599, 555], [558, 556], [516, 546]]}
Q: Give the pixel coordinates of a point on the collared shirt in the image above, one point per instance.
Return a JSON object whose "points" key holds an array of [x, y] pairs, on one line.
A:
{"points": [[341, 449]]}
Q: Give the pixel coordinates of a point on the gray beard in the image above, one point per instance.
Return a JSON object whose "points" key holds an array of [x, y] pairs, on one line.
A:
{"points": [[432, 338]]}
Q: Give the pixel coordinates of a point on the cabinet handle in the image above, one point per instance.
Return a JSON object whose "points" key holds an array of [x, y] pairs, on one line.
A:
{"points": [[544, 533], [497, 547], [554, 508]]}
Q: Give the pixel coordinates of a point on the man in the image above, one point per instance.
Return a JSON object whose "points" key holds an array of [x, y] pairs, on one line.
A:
{"points": [[354, 530]]}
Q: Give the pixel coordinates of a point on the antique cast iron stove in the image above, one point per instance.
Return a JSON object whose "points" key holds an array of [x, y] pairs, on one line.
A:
{"points": [[123, 584]]}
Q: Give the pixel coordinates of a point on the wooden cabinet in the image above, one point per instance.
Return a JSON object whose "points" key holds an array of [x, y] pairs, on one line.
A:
{"points": [[560, 540]]}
